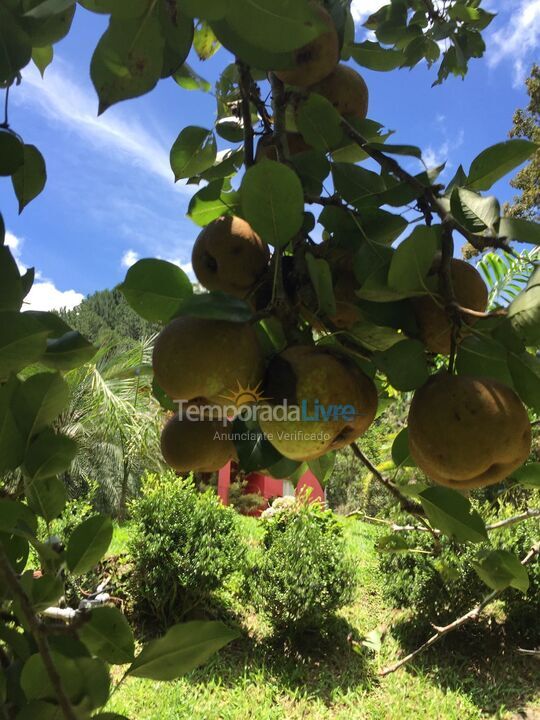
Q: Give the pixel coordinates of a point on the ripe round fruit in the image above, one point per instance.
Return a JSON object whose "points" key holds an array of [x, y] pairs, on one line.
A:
{"points": [[468, 432], [317, 59], [229, 256], [202, 358], [346, 90], [320, 378], [266, 147], [196, 445], [435, 326]]}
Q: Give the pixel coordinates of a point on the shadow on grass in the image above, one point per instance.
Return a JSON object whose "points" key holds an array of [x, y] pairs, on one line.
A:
{"points": [[480, 661]]}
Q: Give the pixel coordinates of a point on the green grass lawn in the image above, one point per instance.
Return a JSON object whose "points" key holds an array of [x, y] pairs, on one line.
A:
{"points": [[252, 679]]}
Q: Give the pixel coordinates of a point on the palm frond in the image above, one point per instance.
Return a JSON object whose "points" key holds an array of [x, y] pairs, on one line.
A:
{"points": [[506, 275]]}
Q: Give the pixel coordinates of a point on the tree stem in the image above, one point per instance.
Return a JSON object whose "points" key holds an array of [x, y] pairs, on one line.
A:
{"points": [[245, 92]]}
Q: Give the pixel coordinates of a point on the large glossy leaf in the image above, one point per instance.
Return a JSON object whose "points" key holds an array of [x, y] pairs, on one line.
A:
{"points": [[49, 454], [218, 306], [207, 9], [528, 476], [50, 27], [320, 275], [320, 123], [453, 514], [11, 290], [473, 211], [255, 452], [213, 201], [177, 30], [108, 635], [11, 151], [22, 341], [496, 161], [40, 399], [401, 455], [275, 25], [356, 184], [46, 496], [242, 47], [181, 649], [481, 356], [404, 364], [12, 440], [413, 259], [273, 202], [520, 230], [88, 543], [30, 178], [15, 45], [524, 312], [128, 59], [155, 289], [500, 569], [49, 7], [525, 371], [194, 151], [373, 56]]}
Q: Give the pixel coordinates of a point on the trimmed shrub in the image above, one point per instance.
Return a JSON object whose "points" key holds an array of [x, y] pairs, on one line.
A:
{"points": [[184, 545], [303, 574], [438, 589]]}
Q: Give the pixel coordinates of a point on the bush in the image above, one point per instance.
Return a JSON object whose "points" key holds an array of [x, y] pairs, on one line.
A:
{"points": [[303, 574], [438, 589], [184, 545]]}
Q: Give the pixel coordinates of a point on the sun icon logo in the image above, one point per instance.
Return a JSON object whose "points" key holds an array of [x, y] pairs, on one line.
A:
{"points": [[245, 395]]}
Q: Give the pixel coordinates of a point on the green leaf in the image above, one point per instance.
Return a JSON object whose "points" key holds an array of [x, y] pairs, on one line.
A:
{"points": [[15, 49], [194, 151], [453, 514], [205, 42], [524, 312], [319, 123], [108, 635], [40, 399], [498, 160], [12, 441], [273, 202], [188, 79], [410, 150], [322, 467], [35, 680], [119, 8], [413, 259], [481, 356], [218, 306], [49, 7], [373, 56], [213, 201], [155, 289], [230, 129], [321, 278], [375, 337], [525, 371], [528, 475], [382, 226], [14, 514], [520, 230], [228, 162], [392, 544], [128, 59], [252, 54], [474, 212], [46, 496], [207, 9], [42, 57], [11, 291], [404, 364], [22, 341], [178, 32], [255, 452], [401, 454], [500, 569], [11, 152], [183, 648], [357, 185], [29, 180], [49, 454], [68, 351], [49, 29], [275, 25], [88, 543]]}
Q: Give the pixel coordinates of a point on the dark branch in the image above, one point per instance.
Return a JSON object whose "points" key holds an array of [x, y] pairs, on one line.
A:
{"points": [[245, 91]]}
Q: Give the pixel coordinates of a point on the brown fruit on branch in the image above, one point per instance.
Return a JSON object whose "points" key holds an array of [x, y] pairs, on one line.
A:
{"points": [[346, 90], [266, 147], [203, 358], [434, 324], [317, 59], [196, 445], [229, 256], [468, 432], [321, 379]]}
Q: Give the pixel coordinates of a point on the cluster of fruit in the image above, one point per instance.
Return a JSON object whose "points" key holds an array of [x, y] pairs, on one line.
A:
{"points": [[463, 431]]}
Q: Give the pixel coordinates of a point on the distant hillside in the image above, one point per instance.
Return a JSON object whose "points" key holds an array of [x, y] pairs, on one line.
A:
{"points": [[105, 316]]}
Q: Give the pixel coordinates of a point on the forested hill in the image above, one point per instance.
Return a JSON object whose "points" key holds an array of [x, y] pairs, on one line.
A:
{"points": [[105, 316]]}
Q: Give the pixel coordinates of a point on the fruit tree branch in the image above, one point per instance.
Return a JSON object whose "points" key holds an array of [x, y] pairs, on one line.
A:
{"points": [[279, 103], [425, 192], [525, 515], [471, 615], [404, 502], [12, 582], [246, 82]]}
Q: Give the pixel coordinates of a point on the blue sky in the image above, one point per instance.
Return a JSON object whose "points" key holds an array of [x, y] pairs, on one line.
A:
{"points": [[110, 196]]}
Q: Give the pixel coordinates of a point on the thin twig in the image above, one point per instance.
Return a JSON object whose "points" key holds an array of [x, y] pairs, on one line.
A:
{"points": [[245, 92], [279, 103], [473, 614], [529, 513], [12, 582], [404, 502], [426, 193], [5, 124]]}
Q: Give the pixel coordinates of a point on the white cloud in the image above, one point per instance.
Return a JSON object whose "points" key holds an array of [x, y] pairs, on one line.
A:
{"points": [[129, 258], [62, 100], [515, 36], [435, 156], [362, 9], [44, 295]]}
